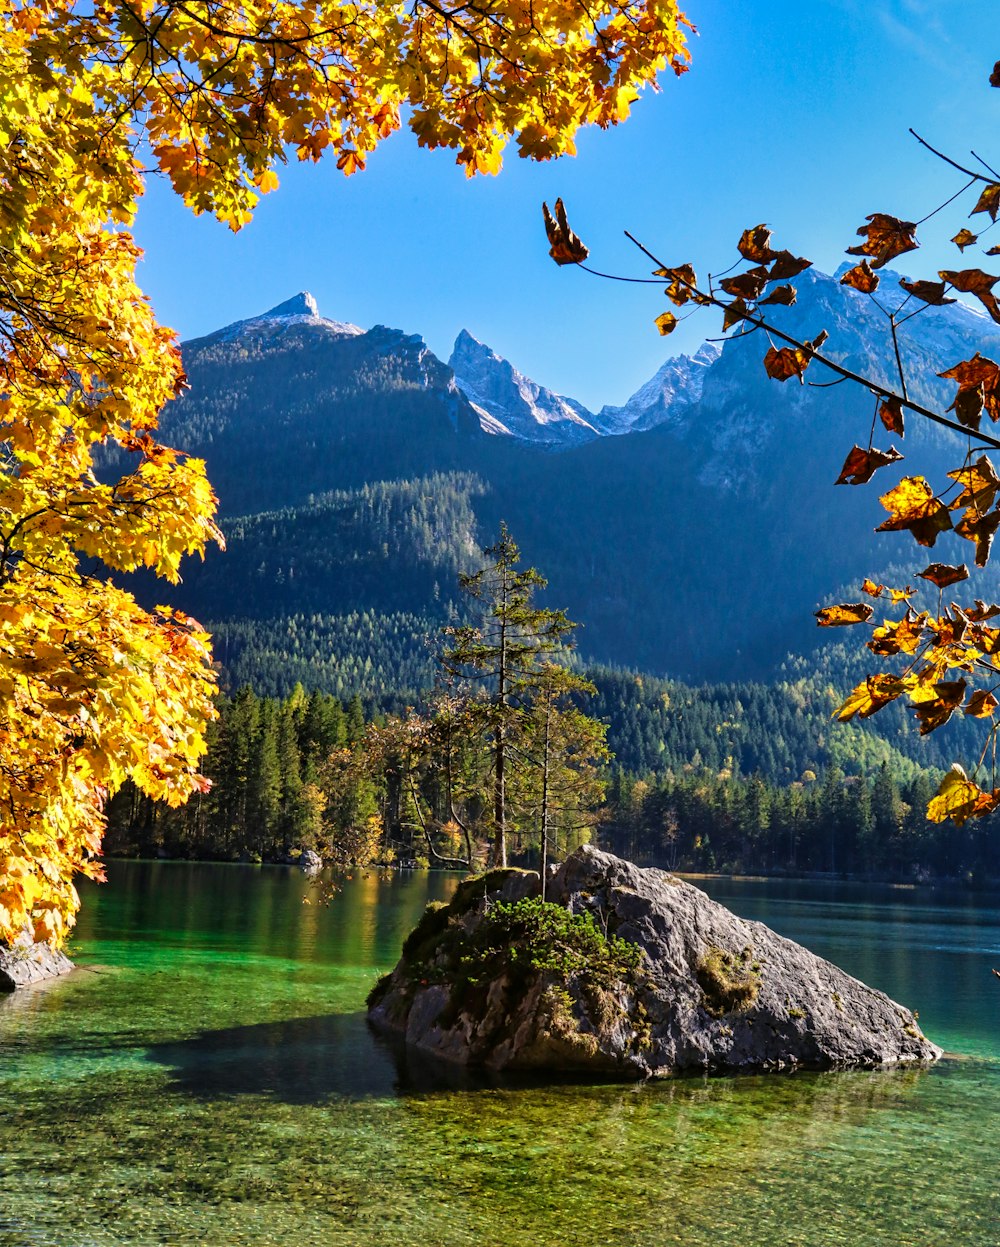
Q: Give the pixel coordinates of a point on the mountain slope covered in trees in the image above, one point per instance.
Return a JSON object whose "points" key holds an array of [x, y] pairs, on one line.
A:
{"points": [[692, 540]]}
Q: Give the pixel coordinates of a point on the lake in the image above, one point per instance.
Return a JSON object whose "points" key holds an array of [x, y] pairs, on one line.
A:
{"points": [[208, 1077]]}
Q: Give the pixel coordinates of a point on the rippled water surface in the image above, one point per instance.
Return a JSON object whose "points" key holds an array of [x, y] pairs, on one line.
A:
{"points": [[208, 1077]]}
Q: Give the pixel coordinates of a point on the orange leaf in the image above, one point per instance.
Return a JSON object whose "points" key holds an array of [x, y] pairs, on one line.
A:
{"points": [[981, 705], [959, 799], [666, 322], [980, 485], [912, 505], [965, 238], [870, 696], [937, 704], [903, 637], [841, 616]]}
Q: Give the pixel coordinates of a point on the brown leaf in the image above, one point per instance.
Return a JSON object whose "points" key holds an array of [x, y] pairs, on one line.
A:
{"points": [[789, 361], [981, 704], [666, 322], [861, 465], [988, 201], [841, 616], [682, 280], [975, 281], [929, 291], [780, 294], [995, 75], [912, 505], [746, 285], [974, 373], [943, 574], [982, 611], [965, 238], [980, 529], [755, 245], [993, 251], [861, 278], [787, 265], [938, 703], [734, 313], [968, 406], [891, 415], [566, 247], [786, 362], [885, 238]]}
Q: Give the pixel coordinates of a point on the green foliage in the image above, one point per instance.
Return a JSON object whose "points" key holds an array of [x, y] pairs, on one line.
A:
{"points": [[535, 936]]}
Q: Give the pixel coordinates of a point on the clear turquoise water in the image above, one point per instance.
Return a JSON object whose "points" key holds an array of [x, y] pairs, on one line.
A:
{"points": [[208, 1078]]}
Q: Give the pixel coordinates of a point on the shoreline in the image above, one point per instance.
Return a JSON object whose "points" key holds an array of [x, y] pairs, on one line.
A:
{"points": [[933, 883]]}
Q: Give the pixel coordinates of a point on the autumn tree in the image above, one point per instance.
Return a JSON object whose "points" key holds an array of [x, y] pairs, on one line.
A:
{"points": [[214, 96], [946, 652]]}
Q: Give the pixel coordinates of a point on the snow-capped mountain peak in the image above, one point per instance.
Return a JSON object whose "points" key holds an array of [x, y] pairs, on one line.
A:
{"points": [[300, 309], [509, 403]]}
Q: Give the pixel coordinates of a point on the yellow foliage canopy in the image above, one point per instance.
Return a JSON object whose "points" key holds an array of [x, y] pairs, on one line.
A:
{"points": [[93, 688]]}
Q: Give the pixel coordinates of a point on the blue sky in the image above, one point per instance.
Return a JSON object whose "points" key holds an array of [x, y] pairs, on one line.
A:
{"points": [[793, 113]]}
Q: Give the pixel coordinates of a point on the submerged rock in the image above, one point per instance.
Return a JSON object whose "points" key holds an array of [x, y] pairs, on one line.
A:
{"points": [[25, 962], [709, 992]]}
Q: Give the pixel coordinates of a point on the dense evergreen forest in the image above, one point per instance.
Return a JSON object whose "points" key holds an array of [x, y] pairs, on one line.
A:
{"points": [[712, 779]]}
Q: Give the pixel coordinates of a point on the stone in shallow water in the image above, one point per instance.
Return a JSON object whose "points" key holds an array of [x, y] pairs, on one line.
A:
{"points": [[25, 962], [715, 993]]}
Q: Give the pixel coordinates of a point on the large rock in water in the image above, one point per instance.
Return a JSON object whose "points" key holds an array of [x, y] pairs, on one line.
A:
{"points": [[713, 993], [25, 962]]}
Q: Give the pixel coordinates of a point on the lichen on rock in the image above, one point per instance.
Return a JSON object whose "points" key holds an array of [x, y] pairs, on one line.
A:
{"points": [[630, 973]]}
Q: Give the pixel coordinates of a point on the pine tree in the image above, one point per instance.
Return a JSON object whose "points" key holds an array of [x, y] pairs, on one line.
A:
{"points": [[504, 651]]}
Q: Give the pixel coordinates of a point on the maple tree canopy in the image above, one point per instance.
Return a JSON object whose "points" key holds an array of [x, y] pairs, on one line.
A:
{"points": [[94, 688]]}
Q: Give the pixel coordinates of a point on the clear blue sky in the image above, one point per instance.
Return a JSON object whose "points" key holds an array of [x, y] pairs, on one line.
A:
{"points": [[794, 113]]}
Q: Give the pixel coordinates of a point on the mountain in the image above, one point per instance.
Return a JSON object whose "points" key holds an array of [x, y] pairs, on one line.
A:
{"points": [[512, 405], [691, 532]]}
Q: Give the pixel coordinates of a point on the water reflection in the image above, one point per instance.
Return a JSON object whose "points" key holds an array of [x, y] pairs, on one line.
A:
{"points": [[219, 1085]]}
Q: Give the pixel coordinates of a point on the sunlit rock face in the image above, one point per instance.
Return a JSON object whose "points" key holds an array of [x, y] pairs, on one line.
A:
{"points": [[712, 993], [24, 962]]}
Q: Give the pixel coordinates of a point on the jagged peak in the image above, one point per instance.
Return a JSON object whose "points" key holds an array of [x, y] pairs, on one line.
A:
{"points": [[301, 304], [300, 309]]}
